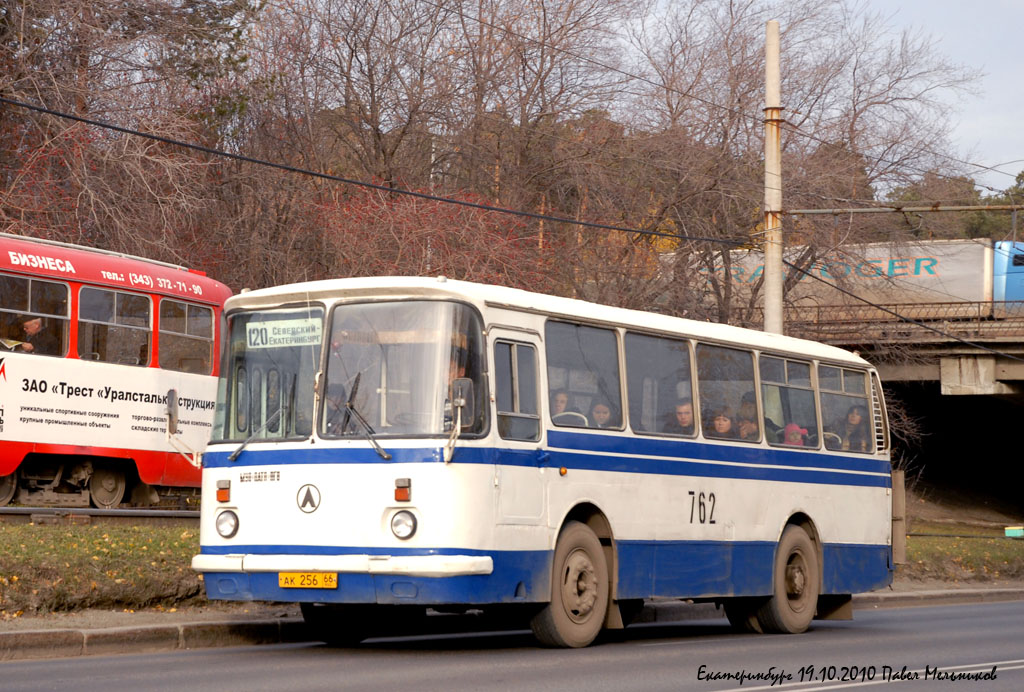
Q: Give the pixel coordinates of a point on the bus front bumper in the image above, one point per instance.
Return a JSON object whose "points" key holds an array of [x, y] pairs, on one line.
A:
{"points": [[404, 565]]}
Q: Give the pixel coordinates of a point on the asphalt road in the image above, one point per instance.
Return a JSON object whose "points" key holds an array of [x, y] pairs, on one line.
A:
{"points": [[877, 648]]}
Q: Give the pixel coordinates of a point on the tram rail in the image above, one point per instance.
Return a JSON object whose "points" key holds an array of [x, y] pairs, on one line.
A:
{"points": [[91, 515]]}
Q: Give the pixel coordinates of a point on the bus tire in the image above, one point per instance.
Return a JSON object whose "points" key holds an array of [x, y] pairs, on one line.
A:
{"points": [[579, 591], [795, 581]]}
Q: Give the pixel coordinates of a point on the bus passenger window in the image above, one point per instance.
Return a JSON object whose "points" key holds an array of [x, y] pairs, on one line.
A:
{"points": [[725, 376], [114, 327], [186, 337], [660, 385], [583, 362], [791, 417], [515, 383], [33, 316], [845, 410]]}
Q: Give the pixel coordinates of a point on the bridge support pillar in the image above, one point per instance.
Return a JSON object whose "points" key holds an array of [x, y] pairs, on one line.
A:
{"points": [[973, 374]]}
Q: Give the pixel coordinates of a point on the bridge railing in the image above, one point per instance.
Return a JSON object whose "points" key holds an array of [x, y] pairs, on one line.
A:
{"points": [[860, 324]]}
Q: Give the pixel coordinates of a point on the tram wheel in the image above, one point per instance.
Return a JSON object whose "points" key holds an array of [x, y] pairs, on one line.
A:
{"points": [[106, 488], [794, 584], [579, 591], [8, 487]]}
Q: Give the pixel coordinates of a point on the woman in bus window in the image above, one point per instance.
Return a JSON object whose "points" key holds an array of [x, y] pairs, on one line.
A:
{"points": [[855, 431], [721, 424]]}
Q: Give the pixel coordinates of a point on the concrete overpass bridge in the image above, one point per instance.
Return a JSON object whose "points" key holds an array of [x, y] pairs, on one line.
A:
{"points": [[932, 348]]}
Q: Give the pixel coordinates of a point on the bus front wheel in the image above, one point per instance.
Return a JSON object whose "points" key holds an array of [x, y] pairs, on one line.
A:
{"points": [[795, 581], [579, 591]]}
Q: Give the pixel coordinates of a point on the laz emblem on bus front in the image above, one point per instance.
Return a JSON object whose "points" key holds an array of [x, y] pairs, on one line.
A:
{"points": [[308, 498]]}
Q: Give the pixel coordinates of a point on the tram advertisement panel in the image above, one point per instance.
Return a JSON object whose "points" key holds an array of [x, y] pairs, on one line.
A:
{"points": [[64, 401]]}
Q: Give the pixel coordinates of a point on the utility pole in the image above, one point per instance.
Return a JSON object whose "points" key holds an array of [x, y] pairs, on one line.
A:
{"points": [[772, 183]]}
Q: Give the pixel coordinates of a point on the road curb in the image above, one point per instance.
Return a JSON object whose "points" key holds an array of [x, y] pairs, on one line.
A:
{"points": [[67, 643]]}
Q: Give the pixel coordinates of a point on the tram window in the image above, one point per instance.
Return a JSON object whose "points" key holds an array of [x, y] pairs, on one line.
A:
{"points": [[114, 327], [33, 316], [845, 410], [186, 337], [660, 385], [790, 414], [515, 367], [725, 379], [583, 363]]}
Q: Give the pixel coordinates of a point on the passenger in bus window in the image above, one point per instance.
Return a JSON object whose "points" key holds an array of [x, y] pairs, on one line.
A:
{"points": [[748, 429], [559, 402], [855, 431], [748, 412], [601, 415], [33, 337], [562, 414], [721, 423], [682, 420], [794, 435]]}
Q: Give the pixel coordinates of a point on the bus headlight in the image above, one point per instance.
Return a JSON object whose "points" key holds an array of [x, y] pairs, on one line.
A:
{"points": [[403, 524], [227, 524]]}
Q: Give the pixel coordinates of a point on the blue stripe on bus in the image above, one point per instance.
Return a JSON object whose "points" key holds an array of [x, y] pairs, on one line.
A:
{"points": [[690, 459], [647, 569], [736, 452]]}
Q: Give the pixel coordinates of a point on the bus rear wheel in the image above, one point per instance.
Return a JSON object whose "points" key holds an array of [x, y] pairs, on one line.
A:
{"points": [[579, 591], [106, 487], [795, 581]]}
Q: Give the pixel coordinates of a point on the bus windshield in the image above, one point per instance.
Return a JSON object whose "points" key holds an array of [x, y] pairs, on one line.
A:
{"points": [[269, 372], [395, 362]]}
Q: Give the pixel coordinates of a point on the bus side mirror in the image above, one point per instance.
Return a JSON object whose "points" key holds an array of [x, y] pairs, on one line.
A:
{"points": [[172, 411], [463, 397]]}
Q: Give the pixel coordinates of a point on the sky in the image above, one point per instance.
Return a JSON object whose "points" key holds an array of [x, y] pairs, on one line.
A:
{"points": [[985, 35]]}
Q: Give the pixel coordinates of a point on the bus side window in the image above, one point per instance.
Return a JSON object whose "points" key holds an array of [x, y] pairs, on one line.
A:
{"points": [[515, 366], [583, 362], [788, 402], [660, 385], [846, 410], [724, 376]]}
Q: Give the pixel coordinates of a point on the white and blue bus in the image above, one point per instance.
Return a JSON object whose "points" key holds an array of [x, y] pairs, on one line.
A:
{"points": [[387, 445]]}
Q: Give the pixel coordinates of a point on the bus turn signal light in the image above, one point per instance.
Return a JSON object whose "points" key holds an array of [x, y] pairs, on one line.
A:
{"points": [[403, 490], [223, 491]]}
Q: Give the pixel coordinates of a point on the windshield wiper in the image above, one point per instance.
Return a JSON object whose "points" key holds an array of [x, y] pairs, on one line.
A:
{"points": [[368, 432], [353, 412], [270, 421]]}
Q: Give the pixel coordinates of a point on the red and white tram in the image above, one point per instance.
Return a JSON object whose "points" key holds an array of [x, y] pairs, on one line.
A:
{"points": [[108, 374]]}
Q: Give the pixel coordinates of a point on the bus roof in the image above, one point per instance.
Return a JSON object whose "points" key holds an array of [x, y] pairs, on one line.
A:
{"points": [[63, 261], [490, 296]]}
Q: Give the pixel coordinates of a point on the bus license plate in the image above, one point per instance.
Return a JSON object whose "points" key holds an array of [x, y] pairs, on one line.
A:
{"points": [[307, 580]]}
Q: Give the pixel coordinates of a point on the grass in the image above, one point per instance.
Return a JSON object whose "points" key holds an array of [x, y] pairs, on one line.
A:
{"points": [[49, 568], [962, 552]]}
